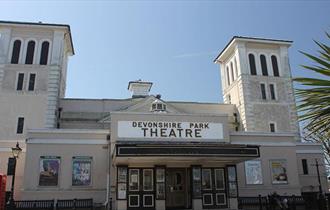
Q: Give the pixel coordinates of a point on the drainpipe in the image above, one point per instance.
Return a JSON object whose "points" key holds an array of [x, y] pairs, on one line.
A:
{"points": [[109, 200]]}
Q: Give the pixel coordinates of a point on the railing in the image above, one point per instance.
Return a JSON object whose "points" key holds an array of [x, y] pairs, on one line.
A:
{"points": [[281, 202], [86, 204], [33, 204], [75, 204]]}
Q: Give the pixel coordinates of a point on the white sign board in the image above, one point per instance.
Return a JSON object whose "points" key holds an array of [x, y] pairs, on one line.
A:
{"points": [[170, 130]]}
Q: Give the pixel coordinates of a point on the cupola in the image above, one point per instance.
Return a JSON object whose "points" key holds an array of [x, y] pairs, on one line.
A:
{"points": [[139, 88]]}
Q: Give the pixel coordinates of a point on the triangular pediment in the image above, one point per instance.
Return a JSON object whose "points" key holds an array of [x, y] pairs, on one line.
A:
{"points": [[145, 106]]}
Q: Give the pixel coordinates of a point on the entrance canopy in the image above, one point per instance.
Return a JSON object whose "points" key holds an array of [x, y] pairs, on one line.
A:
{"points": [[130, 152]]}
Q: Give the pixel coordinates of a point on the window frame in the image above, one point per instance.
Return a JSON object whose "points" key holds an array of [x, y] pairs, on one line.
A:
{"points": [[304, 163], [274, 91], [34, 51], [40, 52], [253, 71], [270, 128], [12, 50], [17, 81], [232, 72], [20, 129], [277, 65], [228, 76], [263, 65], [152, 179], [263, 92], [29, 80]]}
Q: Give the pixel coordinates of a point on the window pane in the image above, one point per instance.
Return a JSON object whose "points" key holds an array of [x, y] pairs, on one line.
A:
{"points": [[305, 166], [221, 199], [207, 199], [228, 77], [263, 65], [134, 179], [206, 179], [231, 174], [30, 52], [272, 91], [134, 201], [275, 66], [148, 200], [20, 125], [263, 91], [272, 127], [16, 52], [232, 71], [219, 179], [32, 82], [236, 69], [20, 81], [252, 62], [44, 53], [148, 179]]}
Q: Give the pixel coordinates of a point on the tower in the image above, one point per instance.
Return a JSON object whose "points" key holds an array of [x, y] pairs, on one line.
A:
{"points": [[256, 77], [33, 65]]}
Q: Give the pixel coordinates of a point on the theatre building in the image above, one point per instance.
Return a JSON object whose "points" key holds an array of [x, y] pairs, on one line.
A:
{"points": [[145, 152]]}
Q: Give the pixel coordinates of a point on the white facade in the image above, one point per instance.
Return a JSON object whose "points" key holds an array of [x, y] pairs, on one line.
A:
{"points": [[145, 152]]}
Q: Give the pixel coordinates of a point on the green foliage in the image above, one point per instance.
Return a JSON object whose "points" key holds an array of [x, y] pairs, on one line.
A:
{"points": [[314, 98]]}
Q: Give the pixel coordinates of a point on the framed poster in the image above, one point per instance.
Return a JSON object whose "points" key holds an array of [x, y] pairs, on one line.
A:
{"points": [[253, 172], [279, 171], [49, 167], [121, 190], [81, 171], [122, 174]]}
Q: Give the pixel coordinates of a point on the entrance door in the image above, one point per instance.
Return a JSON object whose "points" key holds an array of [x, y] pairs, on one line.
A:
{"points": [[176, 188]]}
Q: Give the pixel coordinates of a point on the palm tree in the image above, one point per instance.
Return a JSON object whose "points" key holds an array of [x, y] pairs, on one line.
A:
{"points": [[314, 98]]}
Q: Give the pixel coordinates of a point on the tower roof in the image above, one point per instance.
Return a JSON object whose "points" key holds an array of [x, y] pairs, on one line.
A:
{"points": [[40, 24], [250, 39]]}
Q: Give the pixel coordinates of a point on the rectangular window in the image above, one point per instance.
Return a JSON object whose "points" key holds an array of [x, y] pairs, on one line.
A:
{"points": [[206, 179], [148, 179], [121, 182], [263, 91], [272, 127], [272, 91], [20, 125], [160, 183], [20, 80], [305, 166], [32, 80], [232, 181], [219, 179], [134, 180]]}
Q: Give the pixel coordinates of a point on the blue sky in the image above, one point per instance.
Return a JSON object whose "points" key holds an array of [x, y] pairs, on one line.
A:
{"points": [[170, 43]]}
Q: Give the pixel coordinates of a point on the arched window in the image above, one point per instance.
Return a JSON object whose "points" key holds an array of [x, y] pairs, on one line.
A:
{"points": [[232, 71], [16, 52], [263, 65], [275, 66], [44, 53], [30, 52], [236, 69], [252, 62], [228, 77]]}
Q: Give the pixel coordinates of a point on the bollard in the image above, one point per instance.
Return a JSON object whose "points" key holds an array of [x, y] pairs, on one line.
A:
{"points": [[260, 202], [294, 202]]}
